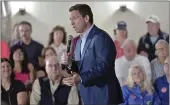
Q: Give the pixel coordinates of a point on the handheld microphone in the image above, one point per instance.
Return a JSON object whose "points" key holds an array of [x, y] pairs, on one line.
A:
{"points": [[70, 37]]}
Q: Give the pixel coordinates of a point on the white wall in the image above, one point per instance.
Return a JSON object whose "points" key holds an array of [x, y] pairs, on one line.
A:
{"points": [[45, 15]]}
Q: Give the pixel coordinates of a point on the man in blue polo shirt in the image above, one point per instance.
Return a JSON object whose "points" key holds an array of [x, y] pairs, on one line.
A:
{"points": [[33, 48]]}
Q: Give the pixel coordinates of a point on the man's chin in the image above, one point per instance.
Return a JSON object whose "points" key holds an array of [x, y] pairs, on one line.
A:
{"points": [[77, 31], [54, 76]]}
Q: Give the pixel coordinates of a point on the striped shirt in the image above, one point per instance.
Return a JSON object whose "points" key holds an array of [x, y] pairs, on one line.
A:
{"points": [[157, 69]]}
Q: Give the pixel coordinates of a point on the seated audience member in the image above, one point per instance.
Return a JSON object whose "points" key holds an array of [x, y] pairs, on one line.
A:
{"points": [[121, 35], [130, 57], [32, 47], [147, 42], [15, 35], [138, 90], [57, 40], [46, 52], [23, 70], [13, 91], [5, 50], [162, 84], [157, 64], [49, 90]]}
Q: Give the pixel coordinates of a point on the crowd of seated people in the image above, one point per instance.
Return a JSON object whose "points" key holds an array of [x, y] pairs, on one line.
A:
{"points": [[32, 74]]}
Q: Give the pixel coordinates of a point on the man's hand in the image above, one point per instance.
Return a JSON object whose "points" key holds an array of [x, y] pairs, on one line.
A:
{"points": [[71, 81], [143, 53], [65, 74], [66, 58]]}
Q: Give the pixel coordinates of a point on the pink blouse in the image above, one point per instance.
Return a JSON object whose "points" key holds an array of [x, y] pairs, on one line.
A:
{"points": [[118, 49], [23, 77]]}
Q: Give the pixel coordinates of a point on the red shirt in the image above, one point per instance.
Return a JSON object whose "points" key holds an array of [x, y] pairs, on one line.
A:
{"points": [[4, 49], [119, 50]]}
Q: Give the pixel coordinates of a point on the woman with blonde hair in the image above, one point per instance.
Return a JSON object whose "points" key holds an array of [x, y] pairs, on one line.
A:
{"points": [[138, 90]]}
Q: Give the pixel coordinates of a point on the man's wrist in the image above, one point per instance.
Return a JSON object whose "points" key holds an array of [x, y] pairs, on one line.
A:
{"points": [[80, 80]]}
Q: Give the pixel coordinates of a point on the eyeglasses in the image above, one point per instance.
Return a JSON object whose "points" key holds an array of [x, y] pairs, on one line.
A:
{"points": [[160, 49]]}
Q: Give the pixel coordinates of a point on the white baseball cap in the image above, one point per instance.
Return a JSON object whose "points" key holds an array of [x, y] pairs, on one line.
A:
{"points": [[153, 19]]}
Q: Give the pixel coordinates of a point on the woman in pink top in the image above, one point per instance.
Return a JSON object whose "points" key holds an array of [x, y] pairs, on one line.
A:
{"points": [[4, 49], [121, 35], [22, 69]]}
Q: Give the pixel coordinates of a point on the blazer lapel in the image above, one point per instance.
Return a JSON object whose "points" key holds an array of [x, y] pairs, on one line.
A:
{"points": [[88, 41], [77, 52]]}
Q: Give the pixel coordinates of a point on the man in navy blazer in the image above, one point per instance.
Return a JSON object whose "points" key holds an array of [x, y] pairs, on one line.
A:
{"points": [[94, 55]]}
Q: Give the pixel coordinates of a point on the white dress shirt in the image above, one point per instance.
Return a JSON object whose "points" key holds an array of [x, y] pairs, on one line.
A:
{"points": [[84, 37]]}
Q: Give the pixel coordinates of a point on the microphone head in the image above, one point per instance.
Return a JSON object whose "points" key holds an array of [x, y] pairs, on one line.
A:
{"points": [[70, 37]]}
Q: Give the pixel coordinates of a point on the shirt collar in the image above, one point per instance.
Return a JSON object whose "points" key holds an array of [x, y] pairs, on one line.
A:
{"points": [[31, 42], [61, 45], [84, 36], [164, 78], [56, 84]]}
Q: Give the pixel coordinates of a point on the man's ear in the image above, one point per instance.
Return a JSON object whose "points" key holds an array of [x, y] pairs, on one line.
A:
{"points": [[86, 18]]}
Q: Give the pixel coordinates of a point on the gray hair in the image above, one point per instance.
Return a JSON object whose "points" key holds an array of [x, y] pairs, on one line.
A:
{"points": [[161, 41], [128, 41]]}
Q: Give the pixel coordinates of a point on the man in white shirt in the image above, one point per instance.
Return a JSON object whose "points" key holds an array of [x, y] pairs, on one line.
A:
{"points": [[130, 57]]}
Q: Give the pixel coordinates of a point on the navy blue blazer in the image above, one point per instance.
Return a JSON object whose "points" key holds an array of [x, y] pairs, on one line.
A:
{"points": [[99, 83]]}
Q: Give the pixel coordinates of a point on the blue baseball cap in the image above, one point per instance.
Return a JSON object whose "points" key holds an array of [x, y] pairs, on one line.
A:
{"points": [[121, 25]]}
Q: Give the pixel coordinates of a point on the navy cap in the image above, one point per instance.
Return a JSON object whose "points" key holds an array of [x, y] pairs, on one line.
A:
{"points": [[121, 25]]}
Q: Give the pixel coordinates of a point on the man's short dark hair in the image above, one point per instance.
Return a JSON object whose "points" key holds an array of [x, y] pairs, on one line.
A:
{"points": [[84, 10], [26, 23]]}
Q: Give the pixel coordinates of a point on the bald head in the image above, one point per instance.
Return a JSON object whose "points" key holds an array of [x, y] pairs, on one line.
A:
{"points": [[128, 42], [52, 66], [51, 59], [129, 49]]}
